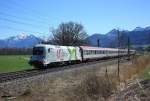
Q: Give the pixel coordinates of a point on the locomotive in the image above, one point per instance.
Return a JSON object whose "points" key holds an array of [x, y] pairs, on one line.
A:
{"points": [[44, 54]]}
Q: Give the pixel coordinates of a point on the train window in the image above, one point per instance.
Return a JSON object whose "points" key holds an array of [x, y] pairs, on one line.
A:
{"points": [[100, 52], [93, 52], [49, 50], [38, 51], [103, 52], [83, 52], [86, 52]]}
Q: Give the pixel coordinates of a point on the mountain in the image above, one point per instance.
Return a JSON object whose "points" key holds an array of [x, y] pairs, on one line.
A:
{"points": [[139, 29], [138, 36], [20, 41]]}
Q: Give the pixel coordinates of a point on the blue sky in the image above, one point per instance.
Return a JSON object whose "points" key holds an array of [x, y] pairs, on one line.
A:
{"points": [[39, 17]]}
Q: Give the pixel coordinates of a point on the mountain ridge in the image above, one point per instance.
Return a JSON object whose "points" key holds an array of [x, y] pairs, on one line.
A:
{"points": [[138, 36]]}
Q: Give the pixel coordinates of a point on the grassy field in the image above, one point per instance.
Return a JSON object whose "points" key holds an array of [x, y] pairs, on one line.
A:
{"points": [[12, 63], [146, 74]]}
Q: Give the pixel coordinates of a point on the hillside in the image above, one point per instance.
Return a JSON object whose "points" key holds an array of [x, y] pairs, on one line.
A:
{"points": [[138, 36]]}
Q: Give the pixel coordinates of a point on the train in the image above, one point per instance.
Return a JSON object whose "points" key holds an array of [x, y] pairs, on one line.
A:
{"points": [[45, 54]]}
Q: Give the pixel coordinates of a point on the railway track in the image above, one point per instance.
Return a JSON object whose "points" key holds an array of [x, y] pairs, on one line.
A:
{"points": [[6, 77]]}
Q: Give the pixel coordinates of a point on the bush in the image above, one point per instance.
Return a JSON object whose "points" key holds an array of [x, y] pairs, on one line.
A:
{"points": [[92, 88]]}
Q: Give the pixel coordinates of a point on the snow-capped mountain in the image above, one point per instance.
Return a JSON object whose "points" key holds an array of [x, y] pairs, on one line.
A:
{"points": [[20, 41], [141, 28], [138, 29], [138, 36]]}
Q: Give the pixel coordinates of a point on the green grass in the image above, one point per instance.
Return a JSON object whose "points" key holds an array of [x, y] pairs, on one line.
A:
{"points": [[11, 63], [146, 73]]}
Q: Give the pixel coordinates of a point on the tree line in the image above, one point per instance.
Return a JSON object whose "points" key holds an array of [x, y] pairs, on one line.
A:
{"points": [[15, 51]]}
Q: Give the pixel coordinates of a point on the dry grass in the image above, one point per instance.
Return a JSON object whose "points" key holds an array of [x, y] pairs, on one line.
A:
{"points": [[84, 85], [92, 88], [136, 68]]}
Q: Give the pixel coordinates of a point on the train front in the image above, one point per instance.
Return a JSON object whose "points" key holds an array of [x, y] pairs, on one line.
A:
{"points": [[38, 56]]}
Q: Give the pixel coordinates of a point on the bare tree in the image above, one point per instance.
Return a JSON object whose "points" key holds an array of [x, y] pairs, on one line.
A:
{"points": [[69, 34]]}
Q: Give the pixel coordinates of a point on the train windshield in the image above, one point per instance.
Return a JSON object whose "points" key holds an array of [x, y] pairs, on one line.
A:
{"points": [[38, 51]]}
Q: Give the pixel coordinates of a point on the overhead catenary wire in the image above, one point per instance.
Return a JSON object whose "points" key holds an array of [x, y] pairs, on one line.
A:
{"points": [[19, 22], [14, 5], [22, 18], [19, 29], [31, 9]]}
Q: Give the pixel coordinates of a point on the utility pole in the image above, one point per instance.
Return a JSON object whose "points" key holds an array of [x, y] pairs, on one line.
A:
{"points": [[149, 38], [118, 55], [98, 42], [128, 48]]}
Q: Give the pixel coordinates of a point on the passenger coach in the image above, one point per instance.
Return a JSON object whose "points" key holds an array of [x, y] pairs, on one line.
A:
{"points": [[44, 55]]}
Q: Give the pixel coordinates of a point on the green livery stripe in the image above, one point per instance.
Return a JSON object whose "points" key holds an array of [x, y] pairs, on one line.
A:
{"points": [[72, 52]]}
